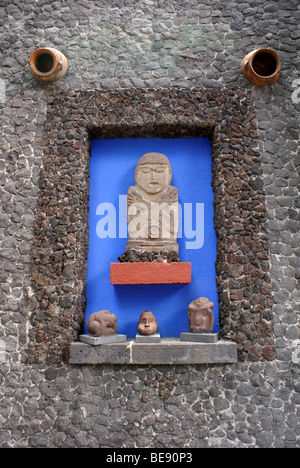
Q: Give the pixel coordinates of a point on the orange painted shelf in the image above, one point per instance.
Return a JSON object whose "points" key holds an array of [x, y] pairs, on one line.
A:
{"points": [[151, 273]]}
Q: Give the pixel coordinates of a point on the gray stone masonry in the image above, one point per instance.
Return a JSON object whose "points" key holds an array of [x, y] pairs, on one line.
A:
{"points": [[115, 45]]}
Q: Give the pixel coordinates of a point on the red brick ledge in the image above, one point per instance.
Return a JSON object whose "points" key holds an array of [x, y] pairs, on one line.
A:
{"points": [[151, 273]]}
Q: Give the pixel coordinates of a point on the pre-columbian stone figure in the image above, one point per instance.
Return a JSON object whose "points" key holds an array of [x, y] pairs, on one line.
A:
{"points": [[147, 324], [152, 207], [102, 323], [200, 314]]}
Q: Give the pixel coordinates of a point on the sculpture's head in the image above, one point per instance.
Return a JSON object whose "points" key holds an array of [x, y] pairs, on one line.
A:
{"points": [[200, 314], [101, 323], [153, 173], [147, 323]]}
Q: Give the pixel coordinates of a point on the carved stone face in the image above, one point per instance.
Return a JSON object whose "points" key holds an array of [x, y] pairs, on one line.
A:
{"points": [[153, 173], [102, 323], [201, 317], [147, 323]]}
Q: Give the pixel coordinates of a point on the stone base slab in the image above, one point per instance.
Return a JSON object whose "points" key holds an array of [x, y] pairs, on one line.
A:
{"points": [[151, 273], [168, 351], [199, 337], [155, 338], [99, 340]]}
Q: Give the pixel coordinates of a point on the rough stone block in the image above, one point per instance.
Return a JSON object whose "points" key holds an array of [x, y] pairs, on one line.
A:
{"points": [[200, 337], [155, 338], [113, 353], [174, 351], [99, 340]]}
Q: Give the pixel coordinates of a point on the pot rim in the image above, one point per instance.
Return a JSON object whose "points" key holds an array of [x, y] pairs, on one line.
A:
{"points": [[271, 52], [37, 53]]}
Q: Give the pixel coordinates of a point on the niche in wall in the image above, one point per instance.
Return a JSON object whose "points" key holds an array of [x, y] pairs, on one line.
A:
{"points": [[59, 256], [112, 168]]}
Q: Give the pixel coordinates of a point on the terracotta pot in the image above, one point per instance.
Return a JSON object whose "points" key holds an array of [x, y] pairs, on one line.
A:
{"points": [[261, 66], [48, 64]]}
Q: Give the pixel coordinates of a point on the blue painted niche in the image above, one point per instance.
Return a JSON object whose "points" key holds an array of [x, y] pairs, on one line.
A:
{"points": [[112, 168]]}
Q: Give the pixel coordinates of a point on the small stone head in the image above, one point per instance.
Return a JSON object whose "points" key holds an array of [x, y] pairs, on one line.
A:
{"points": [[200, 314], [102, 323], [153, 173], [147, 323]]}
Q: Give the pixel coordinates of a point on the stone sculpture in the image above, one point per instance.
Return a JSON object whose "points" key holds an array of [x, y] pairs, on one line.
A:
{"points": [[200, 314], [147, 324], [102, 323], [152, 208]]}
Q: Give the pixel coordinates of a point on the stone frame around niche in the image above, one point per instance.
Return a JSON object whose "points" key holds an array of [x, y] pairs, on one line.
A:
{"points": [[60, 248]]}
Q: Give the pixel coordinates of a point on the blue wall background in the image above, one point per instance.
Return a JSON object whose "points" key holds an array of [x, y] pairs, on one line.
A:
{"points": [[112, 168]]}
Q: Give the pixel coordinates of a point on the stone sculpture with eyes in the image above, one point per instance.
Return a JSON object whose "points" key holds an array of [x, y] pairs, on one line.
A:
{"points": [[152, 207], [147, 324]]}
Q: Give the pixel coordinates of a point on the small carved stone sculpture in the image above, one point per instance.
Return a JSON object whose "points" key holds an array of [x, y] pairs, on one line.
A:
{"points": [[102, 323], [147, 323], [152, 207], [200, 314]]}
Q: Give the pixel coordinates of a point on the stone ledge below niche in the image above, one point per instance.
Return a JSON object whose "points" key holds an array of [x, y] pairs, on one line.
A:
{"points": [[168, 351]]}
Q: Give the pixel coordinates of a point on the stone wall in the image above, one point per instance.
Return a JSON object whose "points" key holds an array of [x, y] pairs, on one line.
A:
{"points": [[114, 46], [61, 224]]}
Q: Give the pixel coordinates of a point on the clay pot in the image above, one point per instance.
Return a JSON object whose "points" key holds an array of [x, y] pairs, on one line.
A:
{"points": [[261, 66], [48, 64]]}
